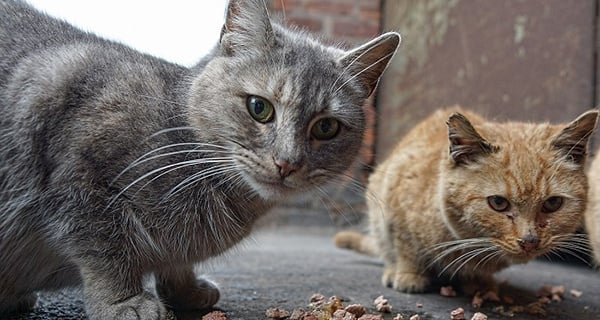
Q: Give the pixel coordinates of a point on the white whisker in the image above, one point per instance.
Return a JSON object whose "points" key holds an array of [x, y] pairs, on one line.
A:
{"points": [[173, 167], [203, 174], [141, 158], [473, 254]]}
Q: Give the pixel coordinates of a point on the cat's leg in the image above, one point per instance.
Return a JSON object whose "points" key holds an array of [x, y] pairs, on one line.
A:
{"points": [[389, 267], [381, 231], [401, 271], [117, 293], [409, 276], [182, 290]]}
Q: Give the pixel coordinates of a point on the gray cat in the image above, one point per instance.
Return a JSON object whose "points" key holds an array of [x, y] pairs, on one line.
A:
{"points": [[115, 164]]}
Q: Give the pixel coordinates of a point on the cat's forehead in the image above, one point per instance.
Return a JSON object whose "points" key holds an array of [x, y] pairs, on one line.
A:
{"points": [[302, 72], [519, 135]]}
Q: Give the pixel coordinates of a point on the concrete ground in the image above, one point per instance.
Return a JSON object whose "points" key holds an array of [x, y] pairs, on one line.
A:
{"points": [[286, 262]]}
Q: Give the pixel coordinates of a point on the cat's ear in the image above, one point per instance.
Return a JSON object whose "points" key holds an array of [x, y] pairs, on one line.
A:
{"points": [[572, 141], [247, 27], [466, 144], [368, 61]]}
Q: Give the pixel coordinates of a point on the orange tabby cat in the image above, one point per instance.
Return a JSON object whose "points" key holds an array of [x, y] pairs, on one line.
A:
{"points": [[592, 214], [463, 197]]}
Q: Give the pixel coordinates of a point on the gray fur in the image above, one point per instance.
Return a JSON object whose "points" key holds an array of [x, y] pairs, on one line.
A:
{"points": [[115, 164]]}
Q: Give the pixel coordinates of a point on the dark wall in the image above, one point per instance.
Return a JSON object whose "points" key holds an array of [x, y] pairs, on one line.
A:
{"points": [[528, 60]]}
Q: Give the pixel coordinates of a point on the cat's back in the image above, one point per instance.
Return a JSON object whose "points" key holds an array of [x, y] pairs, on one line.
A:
{"points": [[64, 91], [24, 30], [31, 39]]}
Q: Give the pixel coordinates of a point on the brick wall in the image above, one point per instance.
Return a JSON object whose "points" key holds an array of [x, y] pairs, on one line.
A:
{"points": [[349, 22]]}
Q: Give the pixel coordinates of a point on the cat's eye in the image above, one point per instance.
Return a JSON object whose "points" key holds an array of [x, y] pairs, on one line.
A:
{"points": [[498, 203], [552, 204], [260, 109], [325, 129]]}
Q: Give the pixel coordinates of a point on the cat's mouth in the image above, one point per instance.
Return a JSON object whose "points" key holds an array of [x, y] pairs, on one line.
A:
{"points": [[271, 188], [524, 256]]}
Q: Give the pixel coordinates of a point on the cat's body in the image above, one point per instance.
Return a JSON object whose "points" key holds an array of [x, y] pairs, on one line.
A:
{"points": [[430, 202], [115, 164]]}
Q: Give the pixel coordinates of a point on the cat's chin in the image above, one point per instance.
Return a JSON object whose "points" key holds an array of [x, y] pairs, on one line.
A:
{"points": [[271, 190], [522, 258]]}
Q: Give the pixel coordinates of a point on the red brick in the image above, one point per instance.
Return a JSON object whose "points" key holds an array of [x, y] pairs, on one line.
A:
{"points": [[284, 4], [370, 15], [355, 29], [329, 8], [311, 24], [370, 5]]}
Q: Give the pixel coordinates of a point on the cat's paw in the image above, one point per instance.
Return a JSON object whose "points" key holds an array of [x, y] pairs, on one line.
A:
{"points": [[387, 279], [144, 306], [200, 294], [410, 282]]}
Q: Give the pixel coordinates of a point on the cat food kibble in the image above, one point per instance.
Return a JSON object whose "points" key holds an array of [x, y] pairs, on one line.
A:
{"points": [[276, 313], [382, 305], [317, 298], [356, 309], [299, 314], [457, 314], [575, 293], [215, 315], [477, 300], [447, 291], [323, 308], [479, 316]]}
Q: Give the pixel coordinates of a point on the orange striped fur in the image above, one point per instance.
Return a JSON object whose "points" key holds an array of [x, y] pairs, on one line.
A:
{"points": [[430, 203]]}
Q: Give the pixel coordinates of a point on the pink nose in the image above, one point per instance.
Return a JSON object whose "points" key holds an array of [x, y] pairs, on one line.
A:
{"points": [[286, 168], [529, 243]]}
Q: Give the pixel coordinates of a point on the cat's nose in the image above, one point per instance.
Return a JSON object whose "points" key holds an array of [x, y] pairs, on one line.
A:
{"points": [[529, 243], [286, 168]]}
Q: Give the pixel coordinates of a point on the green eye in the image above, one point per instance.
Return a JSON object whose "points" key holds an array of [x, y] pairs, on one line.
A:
{"points": [[552, 204], [498, 203], [325, 129], [260, 109]]}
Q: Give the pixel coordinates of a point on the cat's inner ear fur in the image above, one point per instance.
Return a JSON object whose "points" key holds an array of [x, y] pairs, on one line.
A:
{"points": [[572, 141], [247, 27], [466, 144], [367, 62]]}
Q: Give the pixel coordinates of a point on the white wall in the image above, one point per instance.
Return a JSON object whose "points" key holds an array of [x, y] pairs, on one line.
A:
{"points": [[180, 31]]}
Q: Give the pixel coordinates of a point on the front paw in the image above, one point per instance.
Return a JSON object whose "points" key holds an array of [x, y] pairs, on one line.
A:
{"points": [[143, 306], [198, 294], [410, 282]]}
